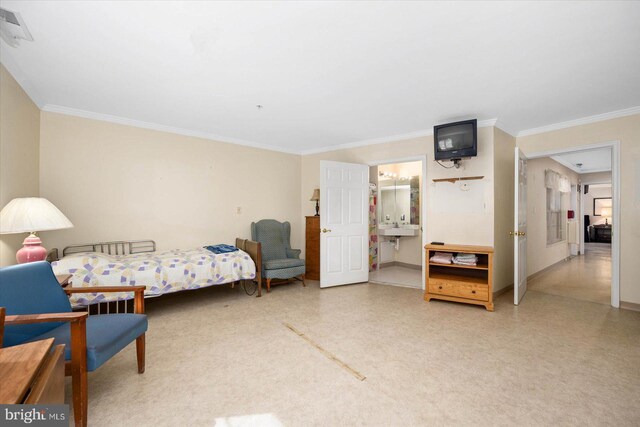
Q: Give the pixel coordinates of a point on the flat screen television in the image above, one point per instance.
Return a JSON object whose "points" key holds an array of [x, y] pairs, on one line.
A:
{"points": [[456, 140]]}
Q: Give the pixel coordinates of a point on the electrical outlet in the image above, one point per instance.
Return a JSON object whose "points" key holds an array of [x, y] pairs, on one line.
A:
{"points": [[238, 210]]}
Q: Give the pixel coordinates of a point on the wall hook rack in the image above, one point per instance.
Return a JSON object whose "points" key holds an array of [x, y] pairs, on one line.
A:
{"points": [[454, 180]]}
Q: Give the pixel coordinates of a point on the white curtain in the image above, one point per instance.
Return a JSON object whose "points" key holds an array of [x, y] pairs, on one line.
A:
{"points": [[555, 181], [551, 179]]}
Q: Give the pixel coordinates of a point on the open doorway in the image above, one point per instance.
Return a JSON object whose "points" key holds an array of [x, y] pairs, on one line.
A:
{"points": [[571, 210], [396, 221]]}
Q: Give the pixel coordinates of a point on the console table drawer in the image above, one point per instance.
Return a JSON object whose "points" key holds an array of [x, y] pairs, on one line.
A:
{"points": [[459, 289]]}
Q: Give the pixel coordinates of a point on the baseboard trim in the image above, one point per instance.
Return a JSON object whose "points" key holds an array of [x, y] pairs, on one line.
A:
{"points": [[502, 291], [400, 264], [629, 305], [407, 265], [544, 270]]}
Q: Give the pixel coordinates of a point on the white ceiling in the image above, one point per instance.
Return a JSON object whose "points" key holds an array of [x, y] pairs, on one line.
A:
{"points": [[328, 73], [590, 160]]}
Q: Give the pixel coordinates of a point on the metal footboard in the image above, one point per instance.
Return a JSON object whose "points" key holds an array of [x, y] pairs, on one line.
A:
{"points": [[119, 247]]}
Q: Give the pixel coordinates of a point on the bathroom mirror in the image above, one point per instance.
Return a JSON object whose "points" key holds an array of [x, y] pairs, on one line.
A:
{"points": [[400, 200]]}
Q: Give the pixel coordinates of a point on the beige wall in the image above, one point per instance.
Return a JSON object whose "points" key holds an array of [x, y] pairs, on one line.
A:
{"points": [[19, 155], [450, 227], [539, 254], [596, 177], [503, 155], [118, 182], [627, 131]]}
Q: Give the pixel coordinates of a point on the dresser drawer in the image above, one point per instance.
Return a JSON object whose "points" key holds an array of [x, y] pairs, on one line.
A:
{"points": [[459, 289]]}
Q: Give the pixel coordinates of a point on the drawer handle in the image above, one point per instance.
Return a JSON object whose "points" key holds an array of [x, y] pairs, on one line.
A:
{"points": [[439, 287], [473, 292]]}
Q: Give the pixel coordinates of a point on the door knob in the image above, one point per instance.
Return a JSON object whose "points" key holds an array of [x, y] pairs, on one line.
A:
{"points": [[522, 233], [511, 233], [326, 230]]}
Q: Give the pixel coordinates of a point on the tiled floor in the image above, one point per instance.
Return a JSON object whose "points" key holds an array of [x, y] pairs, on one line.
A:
{"points": [[586, 277], [216, 356], [401, 276]]}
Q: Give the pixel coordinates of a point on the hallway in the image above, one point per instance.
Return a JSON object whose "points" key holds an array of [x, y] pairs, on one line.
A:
{"points": [[586, 277]]}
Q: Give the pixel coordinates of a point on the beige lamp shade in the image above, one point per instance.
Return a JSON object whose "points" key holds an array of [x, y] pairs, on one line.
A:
{"points": [[316, 195], [605, 212], [30, 214]]}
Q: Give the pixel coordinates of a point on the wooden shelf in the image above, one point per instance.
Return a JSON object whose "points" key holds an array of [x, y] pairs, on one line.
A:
{"points": [[458, 278], [454, 180], [468, 249], [480, 266]]}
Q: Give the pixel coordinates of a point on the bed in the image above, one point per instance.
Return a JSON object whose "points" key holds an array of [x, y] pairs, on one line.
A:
{"points": [[138, 263]]}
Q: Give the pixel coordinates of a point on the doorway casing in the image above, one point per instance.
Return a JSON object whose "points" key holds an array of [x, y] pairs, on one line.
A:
{"points": [[423, 198], [615, 193]]}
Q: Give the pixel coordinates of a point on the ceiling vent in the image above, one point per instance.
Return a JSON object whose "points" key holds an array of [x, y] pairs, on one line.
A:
{"points": [[13, 28]]}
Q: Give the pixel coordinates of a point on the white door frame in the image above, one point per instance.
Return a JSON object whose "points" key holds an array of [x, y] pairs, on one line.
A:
{"points": [[615, 194], [423, 199], [520, 237]]}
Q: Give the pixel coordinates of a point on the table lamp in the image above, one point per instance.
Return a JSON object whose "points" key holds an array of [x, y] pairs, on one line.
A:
{"points": [[606, 213], [316, 198], [29, 215]]}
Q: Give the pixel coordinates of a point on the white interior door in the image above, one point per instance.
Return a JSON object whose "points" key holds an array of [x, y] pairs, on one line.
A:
{"points": [[520, 234], [344, 223]]}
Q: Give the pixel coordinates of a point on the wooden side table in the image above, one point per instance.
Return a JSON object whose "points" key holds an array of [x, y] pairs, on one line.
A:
{"points": [[32, 373], [64, 279]]}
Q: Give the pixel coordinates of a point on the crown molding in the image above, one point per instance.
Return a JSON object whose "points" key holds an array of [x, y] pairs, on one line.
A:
{"points": [[583, 121], [594, 170], [385, 139], [363, 143], [506, 129], [161, 128], [16, 72]]}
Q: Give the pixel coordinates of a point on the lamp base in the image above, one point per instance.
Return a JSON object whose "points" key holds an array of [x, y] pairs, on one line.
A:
{"points": [[317, 209], [32, 250]]}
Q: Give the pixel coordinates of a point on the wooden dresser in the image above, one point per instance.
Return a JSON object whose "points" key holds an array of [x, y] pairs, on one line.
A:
{"points": [[460, 283], [312, 248]]}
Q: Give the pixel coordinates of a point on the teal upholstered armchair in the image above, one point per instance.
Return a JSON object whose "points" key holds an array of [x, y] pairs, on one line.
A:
{"points": [[38, 308], [279, 261]]}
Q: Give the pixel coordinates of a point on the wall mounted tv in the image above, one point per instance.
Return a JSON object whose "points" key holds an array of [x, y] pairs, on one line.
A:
{"points": [[456, 140]]}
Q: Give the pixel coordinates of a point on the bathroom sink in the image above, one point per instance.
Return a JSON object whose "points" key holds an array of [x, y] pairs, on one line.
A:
{"points": [[399, 231]]}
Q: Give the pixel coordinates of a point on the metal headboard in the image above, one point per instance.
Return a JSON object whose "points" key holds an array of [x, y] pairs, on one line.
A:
{"points": [[122, 247]]}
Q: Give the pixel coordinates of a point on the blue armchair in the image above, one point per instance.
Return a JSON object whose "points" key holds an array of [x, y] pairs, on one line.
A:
{"points": [[279, 261], [37, 308]]}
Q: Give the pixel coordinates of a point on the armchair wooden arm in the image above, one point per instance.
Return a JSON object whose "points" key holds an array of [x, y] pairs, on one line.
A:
{"points": [[138, 302], [25, 319]]}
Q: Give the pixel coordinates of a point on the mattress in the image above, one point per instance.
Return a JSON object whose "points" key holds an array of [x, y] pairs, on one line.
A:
{"points": [[160, 272]]}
